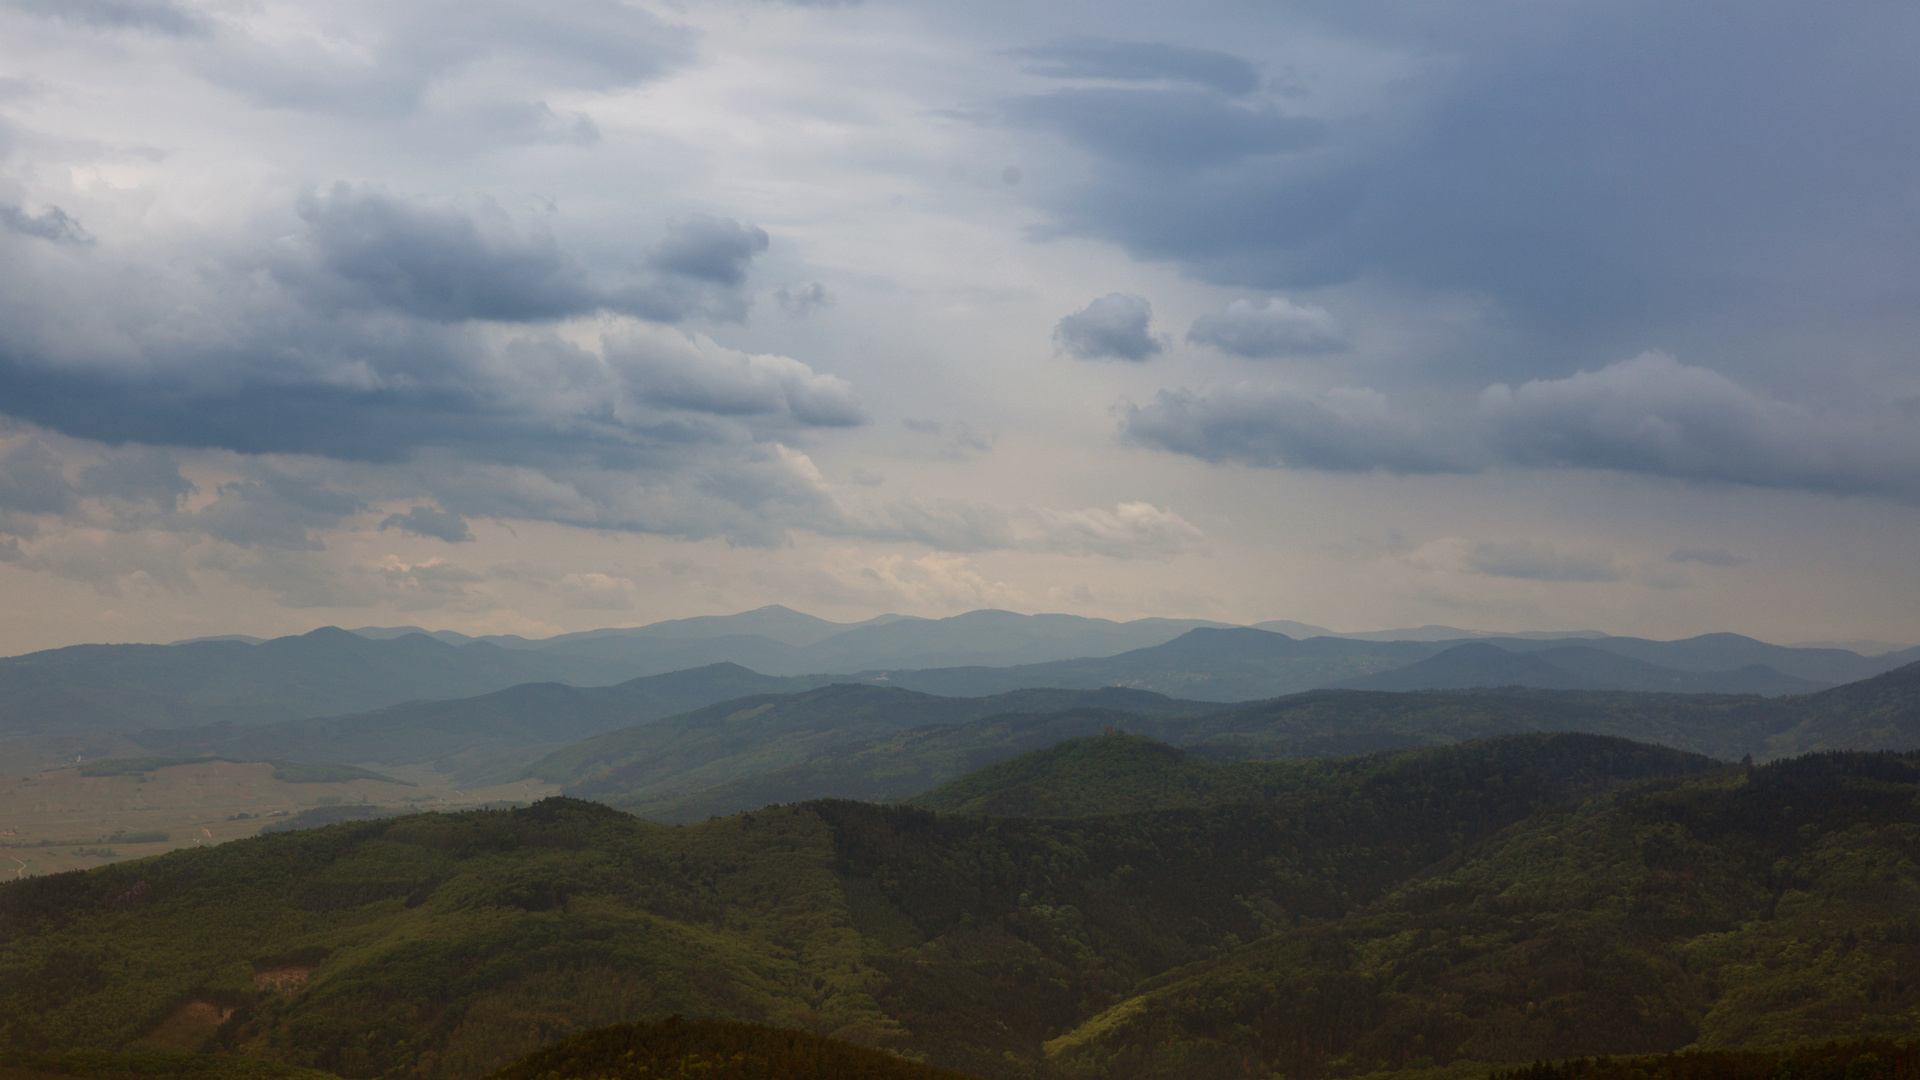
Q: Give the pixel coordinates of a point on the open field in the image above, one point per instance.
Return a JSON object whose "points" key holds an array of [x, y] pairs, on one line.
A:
{"points": [[63, 820]]}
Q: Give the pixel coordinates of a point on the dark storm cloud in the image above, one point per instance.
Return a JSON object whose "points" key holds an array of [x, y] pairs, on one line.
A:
{"points": [[1649, 416], [1604, 172], [452, 264], [1141, 61], [1165, 131], [1279, 328], [1114, 327], [366, 343], [442, 263], [1344, 431], [1531, 561], [716, 250], [52, 224], [429, 521], [159, 15]]}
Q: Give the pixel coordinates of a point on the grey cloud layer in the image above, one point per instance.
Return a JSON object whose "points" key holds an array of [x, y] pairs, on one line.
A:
{"points": [[1530, 561], [446, 263], [402, 53], [429, 521], [1140, 61], [1649, 415], [158, 15], [1608, 174]]}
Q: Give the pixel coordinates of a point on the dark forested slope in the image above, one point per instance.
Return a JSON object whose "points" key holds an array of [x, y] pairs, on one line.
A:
{"points": [[1759, 907], [714, 1050]]}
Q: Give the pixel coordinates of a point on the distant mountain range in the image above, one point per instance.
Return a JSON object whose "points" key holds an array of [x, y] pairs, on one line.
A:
{"points": [[92, 689]]}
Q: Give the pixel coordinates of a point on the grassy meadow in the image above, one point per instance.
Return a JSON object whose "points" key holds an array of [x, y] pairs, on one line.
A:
{"points": [[64, 819]]}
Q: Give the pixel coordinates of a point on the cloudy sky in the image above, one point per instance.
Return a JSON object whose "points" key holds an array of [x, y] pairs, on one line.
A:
{"points": [[511, 317]]}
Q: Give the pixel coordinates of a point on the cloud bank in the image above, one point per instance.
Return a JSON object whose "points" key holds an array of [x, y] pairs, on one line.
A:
{"points": [[1649, 415]]}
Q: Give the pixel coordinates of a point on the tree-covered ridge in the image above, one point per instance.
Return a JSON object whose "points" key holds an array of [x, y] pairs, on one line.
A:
{"points": [[445, 945], [147, 1065], [1112, 773], [713, 1050], [1119, 773], [1753, 908], [1860, 1059], [764, 733]]}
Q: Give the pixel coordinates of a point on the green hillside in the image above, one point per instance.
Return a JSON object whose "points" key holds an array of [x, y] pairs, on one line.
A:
{"points": [[888, 768], [1855, 1059], [147, 1065], [714, 1050], [448, 945], [1750, 908], [1110, 774]]}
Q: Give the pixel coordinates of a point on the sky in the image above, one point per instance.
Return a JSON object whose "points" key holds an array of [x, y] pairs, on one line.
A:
{"points": [[507, 317]]}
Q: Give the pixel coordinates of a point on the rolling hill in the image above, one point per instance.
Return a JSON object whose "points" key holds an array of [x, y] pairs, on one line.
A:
{"points": [[1571, 667], [483, 739], [1768, 907], [758, 735], [826, 746]]}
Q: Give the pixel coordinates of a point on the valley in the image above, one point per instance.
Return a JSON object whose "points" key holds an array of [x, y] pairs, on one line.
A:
{"points": [[81, 817]]}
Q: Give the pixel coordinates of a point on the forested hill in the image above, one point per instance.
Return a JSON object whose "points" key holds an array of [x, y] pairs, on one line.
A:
{"points": [[448, 945], [1117, 773], [714, 1050], [1758, 908]]}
